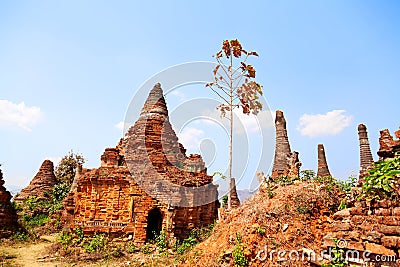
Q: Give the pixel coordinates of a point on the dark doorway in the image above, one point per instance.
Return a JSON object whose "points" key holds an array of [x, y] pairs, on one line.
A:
{"points": [[154, 224]]}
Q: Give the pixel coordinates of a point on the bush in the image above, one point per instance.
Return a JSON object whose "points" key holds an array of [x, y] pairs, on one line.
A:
{"points": [[337, 259], [79, 234], [195, 236], [145, 249], [382, 181], [307, 175], [239, 259], [260, 230], [20, 236], [64, 238], [131, 247], [224, 201], [96, 244], [161, 241], [38, 220]]}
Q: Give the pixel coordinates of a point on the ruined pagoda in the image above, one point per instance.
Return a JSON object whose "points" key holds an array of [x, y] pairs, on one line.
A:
{"points": [[145, 185], [42, 183]]}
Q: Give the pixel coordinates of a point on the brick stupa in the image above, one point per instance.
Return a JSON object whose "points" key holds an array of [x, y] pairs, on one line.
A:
{"points": [[43, 182], [145, 185]]}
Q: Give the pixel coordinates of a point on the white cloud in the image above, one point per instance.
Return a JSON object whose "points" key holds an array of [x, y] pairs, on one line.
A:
{"points": [[19, 115], [121, 125], [190, 137], [331, 123]]}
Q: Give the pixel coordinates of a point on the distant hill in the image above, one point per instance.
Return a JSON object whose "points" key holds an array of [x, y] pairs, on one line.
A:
{"points": [[13, 189]]}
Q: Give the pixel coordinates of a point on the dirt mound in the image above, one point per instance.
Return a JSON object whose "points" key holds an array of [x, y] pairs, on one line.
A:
{"points": [[289, 218]]}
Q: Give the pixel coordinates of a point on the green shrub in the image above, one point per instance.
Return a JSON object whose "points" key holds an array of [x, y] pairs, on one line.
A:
{"points": [[270, 191], [65, 238], [382, 181], [79, 235], [329, 181], [342, 205], [117, 252], [239, 259], [338, 259], [161, 241], [196, 235], [20, 236], [188, 243], [131, 247], [38, 220], [260, 230], [224, 201], [146, 249], [307, 175], [285, 180], [96, 244], [302, 209]]}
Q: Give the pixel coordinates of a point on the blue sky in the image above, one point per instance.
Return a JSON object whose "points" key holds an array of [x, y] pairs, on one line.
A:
{"points": [[76, 65]]}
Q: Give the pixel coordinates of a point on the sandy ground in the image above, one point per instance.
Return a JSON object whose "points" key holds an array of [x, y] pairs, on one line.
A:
{"points": [[34, 255], [29, 254]]}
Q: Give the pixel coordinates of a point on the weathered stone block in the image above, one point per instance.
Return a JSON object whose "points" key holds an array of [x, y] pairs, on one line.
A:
{"points": [[341, 226], [358, 211], [391, 220], [372, 236], [378, 249], [342, 214], [390, 230], [396, 211], [383, 212], [391, 241]]}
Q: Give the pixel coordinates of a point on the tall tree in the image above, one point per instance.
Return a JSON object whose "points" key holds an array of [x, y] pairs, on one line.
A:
{"points": [[65, 170], [234, 83]]}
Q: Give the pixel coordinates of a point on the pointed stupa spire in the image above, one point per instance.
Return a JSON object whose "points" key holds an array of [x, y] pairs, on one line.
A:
{"points": [[155, 103], [282, 146], [323, 169], [366, 159]]}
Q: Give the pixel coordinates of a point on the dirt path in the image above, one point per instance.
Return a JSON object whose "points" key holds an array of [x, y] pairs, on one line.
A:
{"points": [[29, 254]]}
